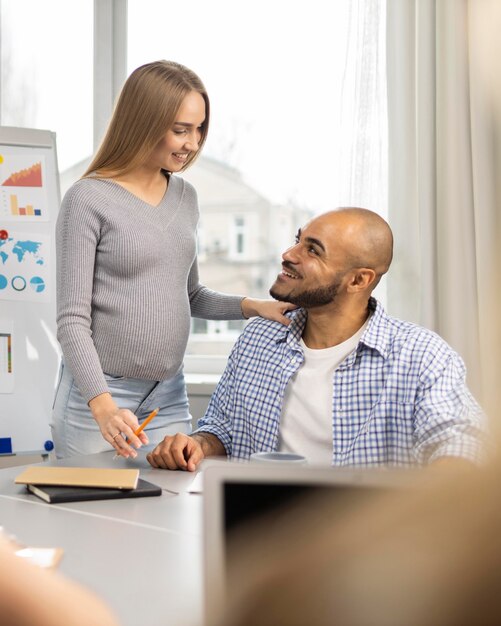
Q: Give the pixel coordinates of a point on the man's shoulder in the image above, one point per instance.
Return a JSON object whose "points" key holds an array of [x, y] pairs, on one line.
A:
{"points": [[264, 331], [409, 336], [409, 330], [261, 327], [415, 332]]}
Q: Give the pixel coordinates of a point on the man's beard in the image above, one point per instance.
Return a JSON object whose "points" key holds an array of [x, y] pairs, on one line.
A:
{"points": [[312, 298]]}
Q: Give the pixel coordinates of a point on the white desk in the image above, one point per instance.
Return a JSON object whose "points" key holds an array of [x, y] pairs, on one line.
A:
{"points": [[142, 556]]}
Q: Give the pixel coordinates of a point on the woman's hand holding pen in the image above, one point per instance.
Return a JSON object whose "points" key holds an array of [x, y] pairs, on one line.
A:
{"points": [[117, 425]]}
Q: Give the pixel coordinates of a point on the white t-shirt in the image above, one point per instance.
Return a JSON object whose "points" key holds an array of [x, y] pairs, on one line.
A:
{"points": [[306, 421]]}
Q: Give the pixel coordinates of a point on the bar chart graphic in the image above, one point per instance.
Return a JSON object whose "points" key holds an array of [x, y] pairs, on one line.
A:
{"points": [[6, 353], [23, 193], [15, 209], [6, 358]]}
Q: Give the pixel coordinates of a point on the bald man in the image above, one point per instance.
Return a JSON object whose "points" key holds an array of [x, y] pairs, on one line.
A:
{"points": [[344, 384]]}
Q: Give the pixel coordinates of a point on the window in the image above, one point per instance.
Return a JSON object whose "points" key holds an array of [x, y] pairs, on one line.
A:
{"points": [[237, 238], [287, 138], [201, 243], [46, 71], [297, 119]]}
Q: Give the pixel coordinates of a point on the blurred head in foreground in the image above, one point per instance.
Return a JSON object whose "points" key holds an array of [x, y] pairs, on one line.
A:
{"points": [[426, 555]]}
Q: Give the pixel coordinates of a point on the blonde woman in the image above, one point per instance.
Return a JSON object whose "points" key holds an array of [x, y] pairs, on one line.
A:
{"points": [[127, 275]]}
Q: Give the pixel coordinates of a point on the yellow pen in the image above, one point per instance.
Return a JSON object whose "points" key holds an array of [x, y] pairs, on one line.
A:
{"points": [[143, 425], [146, 421]]}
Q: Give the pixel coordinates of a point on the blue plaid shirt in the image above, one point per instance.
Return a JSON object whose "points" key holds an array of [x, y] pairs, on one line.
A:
{"points": [[399, 398]]}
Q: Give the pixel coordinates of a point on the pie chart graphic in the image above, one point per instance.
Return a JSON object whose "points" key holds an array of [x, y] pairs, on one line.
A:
{"points": [[18, 283], [37, 284]]}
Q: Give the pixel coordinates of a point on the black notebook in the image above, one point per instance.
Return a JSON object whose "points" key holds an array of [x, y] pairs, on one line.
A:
{"points": [[55, 494]]}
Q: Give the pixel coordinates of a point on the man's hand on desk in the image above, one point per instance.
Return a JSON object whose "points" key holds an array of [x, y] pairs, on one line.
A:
{"points": [[184, 452]]}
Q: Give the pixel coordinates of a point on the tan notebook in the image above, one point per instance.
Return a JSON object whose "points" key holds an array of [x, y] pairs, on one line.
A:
{"points": [[79, 477]]}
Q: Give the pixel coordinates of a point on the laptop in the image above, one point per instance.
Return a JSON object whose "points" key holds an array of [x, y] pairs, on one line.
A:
{"points": [[237, 496]]}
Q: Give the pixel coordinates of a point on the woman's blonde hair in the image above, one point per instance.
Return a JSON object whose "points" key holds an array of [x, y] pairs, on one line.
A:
{"points": [[146, 109]]}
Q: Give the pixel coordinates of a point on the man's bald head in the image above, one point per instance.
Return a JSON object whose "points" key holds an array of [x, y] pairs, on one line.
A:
{"points": [[338, 257], [365, 237]]}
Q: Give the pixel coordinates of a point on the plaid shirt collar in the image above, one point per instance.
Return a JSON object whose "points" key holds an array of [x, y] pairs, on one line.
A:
{"points": [[374, 336]]}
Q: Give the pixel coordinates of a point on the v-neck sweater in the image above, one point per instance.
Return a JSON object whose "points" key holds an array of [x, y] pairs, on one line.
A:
{"points": [[127, 282]]}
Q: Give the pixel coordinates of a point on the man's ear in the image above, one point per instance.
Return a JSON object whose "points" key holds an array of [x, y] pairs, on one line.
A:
{"points": [[361, 279]]}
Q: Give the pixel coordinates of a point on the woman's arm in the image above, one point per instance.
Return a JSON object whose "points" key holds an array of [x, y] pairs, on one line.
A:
{"points": [[78, 231], [213, 305]]}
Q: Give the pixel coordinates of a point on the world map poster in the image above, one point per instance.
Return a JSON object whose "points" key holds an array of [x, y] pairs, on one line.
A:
{"points": [[23, 192], [24, 266]]}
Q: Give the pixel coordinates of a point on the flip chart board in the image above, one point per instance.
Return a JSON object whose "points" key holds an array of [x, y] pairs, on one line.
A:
{"points": [[29, 352]]}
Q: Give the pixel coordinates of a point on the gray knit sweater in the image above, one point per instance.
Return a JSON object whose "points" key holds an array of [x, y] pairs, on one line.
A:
{"points": [[127, 282]]}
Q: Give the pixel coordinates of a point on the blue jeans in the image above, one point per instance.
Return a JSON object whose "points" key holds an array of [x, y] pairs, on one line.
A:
{"points": [[75, 431]]}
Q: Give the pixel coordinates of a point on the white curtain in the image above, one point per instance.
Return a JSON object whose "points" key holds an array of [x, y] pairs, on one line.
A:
{"points": [[361, 146], [443, 163], [363, 137]]}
